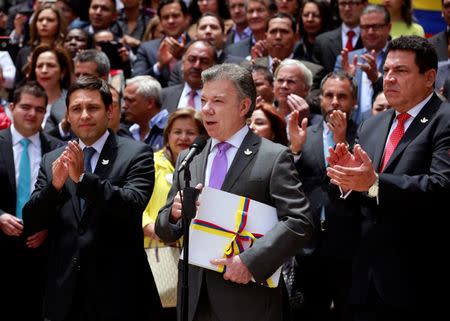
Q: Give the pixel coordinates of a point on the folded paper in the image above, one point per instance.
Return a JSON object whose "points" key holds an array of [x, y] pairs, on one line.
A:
{"points": [[226, 225]]}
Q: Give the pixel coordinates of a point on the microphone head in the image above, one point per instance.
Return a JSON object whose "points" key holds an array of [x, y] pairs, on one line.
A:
{"points": [[199, 143]]}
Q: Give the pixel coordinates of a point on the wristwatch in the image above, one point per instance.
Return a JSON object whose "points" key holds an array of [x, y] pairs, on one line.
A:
{"points": [[373, 190]]}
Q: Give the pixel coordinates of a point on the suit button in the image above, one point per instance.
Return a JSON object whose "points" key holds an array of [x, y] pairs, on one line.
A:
{"points": [[81, 230], [76, 263]]}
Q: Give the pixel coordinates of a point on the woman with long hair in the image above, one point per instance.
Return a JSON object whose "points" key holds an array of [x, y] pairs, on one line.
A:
{"points": [[402, 19], [52, 68], [47, 27], [267, 123]]}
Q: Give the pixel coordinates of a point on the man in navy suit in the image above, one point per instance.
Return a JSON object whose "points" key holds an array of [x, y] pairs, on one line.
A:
{"points": [[399, 176], [91, 195], [23, 256], [158, 57]]}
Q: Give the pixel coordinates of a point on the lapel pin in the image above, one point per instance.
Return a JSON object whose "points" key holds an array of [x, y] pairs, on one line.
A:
{"points": [[424, 120], [248, 152], [105, 161]]}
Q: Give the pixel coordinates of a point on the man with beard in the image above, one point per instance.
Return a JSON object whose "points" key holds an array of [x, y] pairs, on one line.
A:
{"points": [[326, 264], [199, 56]]}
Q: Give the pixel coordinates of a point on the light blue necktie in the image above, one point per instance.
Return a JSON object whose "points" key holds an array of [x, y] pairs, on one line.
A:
{"points": [[88, 153], [24, 182], [329, 142]]}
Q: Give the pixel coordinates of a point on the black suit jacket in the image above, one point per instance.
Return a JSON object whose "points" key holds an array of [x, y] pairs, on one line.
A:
{"points": [[342, 222], [100, 253], [403, 237], [170, 97], [16, 259], [328, 46]]}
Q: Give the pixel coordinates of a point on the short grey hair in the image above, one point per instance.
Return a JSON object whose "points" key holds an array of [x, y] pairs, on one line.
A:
{"points": [[148, 87], [98, 57], [307, 74], [239, 76]]}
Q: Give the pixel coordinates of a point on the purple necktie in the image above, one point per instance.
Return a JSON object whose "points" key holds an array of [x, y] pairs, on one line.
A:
{"points": [[219, 166]]}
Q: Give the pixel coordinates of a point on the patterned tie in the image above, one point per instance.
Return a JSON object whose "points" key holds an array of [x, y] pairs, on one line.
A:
{"points": [[350, 35], [329, 143], [219, 166], [395, 138], [191, 100], [24, 182], [88, 153]]}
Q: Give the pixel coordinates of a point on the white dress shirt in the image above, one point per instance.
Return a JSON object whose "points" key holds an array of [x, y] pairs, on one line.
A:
{"points": [[235, 141]]}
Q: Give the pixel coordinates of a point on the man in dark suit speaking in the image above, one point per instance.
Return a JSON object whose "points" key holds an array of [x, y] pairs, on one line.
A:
{"points": [[252, 167], [91, 195]]}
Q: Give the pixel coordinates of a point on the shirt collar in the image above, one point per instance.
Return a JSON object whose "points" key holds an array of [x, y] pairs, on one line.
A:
{"points": [[17, 137], [98, 145], [235, 140], [346, 29], [160, 119], [413, 112]]}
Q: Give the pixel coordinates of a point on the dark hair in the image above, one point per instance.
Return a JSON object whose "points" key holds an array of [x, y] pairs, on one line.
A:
{"points": [[194, 10], [263, 69], [182, 113], [277, 123], [211, 14], [89, 39], [92, 84], [31, 88], [406, 12], [325, 16], [206, 43], [426, 56], [60, 33], [64, 61], [163, 3], [98, 57], [113, 2], [341, 75], [281, 15], [375, 8], [238, 75]]}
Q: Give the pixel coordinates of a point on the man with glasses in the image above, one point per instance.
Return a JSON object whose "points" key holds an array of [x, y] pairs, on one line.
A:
{"points": [[330, 44], [366, 64]]}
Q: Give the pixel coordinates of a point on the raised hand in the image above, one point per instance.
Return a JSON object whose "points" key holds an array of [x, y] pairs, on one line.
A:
{"points": [[297, 134], [60, 172], [337, 123]]}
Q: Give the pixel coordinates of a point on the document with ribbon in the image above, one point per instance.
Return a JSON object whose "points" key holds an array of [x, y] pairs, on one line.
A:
{"points": [[226, 225]]}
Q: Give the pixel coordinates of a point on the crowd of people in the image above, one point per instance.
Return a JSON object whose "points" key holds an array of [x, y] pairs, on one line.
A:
{"points": [[334, 112]]}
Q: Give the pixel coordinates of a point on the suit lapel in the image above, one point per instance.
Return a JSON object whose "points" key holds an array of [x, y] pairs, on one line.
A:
{"points": [[248, 149], [200, 164], [317, 140], [6, 149], [107, 156], [385, 124], [416, 127]]}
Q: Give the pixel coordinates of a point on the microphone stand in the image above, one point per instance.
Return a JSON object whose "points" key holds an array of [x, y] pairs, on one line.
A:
{"points": [[188, 210]]}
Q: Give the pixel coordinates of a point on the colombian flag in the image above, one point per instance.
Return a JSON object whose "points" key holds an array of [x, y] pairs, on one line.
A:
{"points": [[428, 13]]}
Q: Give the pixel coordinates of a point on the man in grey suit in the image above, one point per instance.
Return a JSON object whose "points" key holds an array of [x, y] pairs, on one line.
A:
{"points": [[258, 169]]}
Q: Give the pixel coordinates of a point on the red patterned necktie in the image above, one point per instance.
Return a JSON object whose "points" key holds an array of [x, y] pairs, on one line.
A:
{"points": [[191, 99], [394, 138], [350, 35]]}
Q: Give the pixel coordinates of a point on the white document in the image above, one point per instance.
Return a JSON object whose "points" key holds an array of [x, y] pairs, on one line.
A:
{"points": [[217, 219]]}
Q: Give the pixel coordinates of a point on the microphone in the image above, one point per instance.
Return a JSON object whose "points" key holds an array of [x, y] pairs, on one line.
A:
{"points": [[196, 147]]}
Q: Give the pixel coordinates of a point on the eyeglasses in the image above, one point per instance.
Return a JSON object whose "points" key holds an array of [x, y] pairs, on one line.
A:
{"points": [[349, 3], [375, 27]]}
